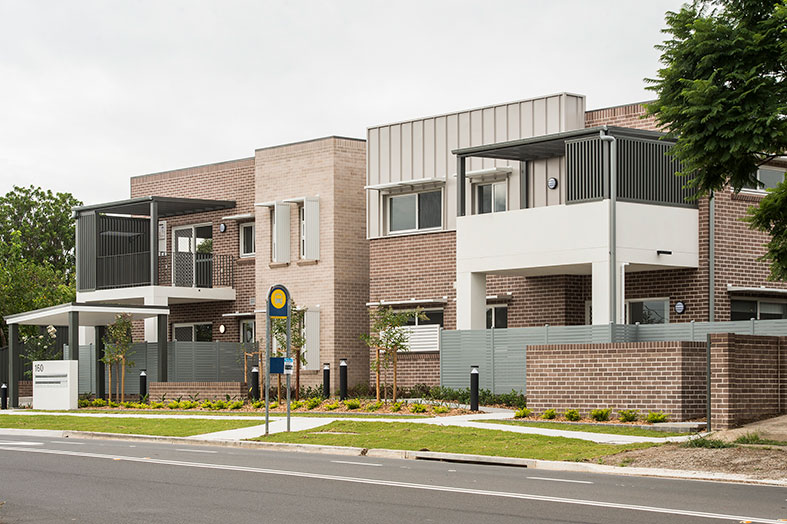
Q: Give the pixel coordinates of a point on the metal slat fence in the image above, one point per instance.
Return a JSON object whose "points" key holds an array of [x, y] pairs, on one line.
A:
{"points": [[501, 353]]}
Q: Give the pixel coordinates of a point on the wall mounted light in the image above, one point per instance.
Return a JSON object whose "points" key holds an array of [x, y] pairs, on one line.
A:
{"points": [[222, 227], [663, 252]]}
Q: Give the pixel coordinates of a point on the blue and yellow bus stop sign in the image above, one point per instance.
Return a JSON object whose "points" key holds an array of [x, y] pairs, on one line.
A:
{"points": [[278, 301]]}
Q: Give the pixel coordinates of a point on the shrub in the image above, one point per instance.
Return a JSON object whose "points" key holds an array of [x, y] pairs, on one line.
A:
{"points": [[174, 405], [549, 414], [418, 408], [374, 406], [333, 405], [140, 405], [219, 404], [206, 404], [749, 438], [397, 406], [352, 403], [156, 405], [710, 443], [655, 417], [522, 413], [272, 405], [257, 404], [297, 404], [113, 404], [572, 415], [600, 415], [311, 392], [439, 410], [628, 415], [99, 403], [83, 403], [188, 404], [313, 402], [236, 405]]}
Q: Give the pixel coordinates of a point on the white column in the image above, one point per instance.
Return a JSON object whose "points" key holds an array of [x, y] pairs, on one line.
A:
{"points": [[601, 298], [471, 301], [151, 324]]}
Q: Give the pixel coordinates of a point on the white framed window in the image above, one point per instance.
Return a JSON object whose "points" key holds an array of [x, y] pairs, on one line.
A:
{"points": [[415, 211], [491, 197], [302, 220], [432, 317], [193, 332], [768, 178], [248, 331], [247, 240], [497, 317], [647, 311], [768, 309]]}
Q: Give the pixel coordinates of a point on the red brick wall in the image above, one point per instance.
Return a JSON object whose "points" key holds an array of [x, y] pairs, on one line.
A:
{"points": [[629, 115], [647, 376], [203, 390], [748, 378]]}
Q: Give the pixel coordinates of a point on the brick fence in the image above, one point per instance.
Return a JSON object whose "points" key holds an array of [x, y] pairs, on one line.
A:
{"points": [[414, 368], [201, 390], [747, 378]]}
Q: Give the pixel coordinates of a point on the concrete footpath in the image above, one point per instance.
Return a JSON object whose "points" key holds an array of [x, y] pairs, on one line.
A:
{"points": [[278, 424]]}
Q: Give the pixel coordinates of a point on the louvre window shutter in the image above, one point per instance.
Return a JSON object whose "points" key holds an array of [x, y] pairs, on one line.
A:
{"points": [[311, 208], [282, 232], [311, 322]]}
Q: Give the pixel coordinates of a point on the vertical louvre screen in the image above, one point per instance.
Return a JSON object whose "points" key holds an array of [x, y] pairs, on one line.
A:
{"points": [[86, 251], [585, 169], [311, 352], [183, 257], [311, 224], [282, 232]]}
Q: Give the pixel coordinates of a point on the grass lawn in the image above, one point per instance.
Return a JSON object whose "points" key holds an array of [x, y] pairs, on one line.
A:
{"points": [[408, 436], [590, 428], [141, 426], [340, 414]]}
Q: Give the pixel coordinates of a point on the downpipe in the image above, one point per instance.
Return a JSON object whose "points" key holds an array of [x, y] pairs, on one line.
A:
{"points": [[613, 198]]}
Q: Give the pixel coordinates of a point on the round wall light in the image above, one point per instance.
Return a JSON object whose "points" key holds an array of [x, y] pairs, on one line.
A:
{"points": [[680, 307], [222, 227], [222, 329], [552, 182]]}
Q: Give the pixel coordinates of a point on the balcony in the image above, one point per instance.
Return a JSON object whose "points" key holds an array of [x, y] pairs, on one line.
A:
{"points": [[178, 269]]}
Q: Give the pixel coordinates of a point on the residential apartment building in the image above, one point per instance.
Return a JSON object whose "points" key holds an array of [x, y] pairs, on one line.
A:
{"points": [[505, 216], [209, 241]]}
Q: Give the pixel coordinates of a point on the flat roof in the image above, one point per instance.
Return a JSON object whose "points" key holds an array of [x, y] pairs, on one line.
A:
{"points": [[89, 314], [167, 206], [549, 146]]}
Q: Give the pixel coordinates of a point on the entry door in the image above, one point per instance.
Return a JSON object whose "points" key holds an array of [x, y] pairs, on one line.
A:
{"points": [[183, 256]]}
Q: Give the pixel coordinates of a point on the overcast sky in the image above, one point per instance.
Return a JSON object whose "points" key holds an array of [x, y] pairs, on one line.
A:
{"points": [[92, 93]]}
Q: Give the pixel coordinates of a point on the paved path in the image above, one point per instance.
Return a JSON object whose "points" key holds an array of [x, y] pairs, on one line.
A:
{"points": [[278, 424]]}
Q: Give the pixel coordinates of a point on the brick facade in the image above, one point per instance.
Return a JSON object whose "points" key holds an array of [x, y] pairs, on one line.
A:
{"points": [[197, 390]]}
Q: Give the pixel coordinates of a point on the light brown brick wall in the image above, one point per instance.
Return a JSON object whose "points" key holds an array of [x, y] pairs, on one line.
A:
{"points": [[200, 390], [414, 368], [647, 376]]}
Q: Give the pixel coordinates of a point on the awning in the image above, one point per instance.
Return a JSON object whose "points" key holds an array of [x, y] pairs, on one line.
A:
{"points": [[167, 206], [762, 291], [89, 314], [406, 183]]}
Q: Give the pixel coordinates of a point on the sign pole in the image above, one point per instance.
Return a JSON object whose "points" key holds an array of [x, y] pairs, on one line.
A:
{"points": [[278, 307], [289, 376], [267, 370]]}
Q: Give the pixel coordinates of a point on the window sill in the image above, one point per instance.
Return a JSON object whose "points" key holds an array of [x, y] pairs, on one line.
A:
{"points": [[411, 232], [274, 265], [305, 262]]}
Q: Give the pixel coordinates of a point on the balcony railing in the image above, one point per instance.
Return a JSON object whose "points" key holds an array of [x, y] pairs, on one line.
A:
{"points": [[178, 269], [423, 338]]}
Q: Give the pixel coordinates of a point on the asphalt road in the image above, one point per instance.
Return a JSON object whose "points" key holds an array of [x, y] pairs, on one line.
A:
{"points": [[73, 480]]}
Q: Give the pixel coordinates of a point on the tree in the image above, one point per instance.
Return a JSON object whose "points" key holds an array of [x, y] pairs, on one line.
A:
{"points": [[26, 285], [45, 222], [387, 339], [297, 342], [117, 343], [723, 96], [39, 346]]}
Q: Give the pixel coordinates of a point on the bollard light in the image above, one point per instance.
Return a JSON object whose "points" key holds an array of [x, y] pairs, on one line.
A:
{"points": [[255, 383], [474, 388], [326, 380], [342, 379], [4, 396], [143, 384]]}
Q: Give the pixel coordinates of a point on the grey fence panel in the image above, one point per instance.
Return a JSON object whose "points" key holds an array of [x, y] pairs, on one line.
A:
{"points": [[459, 350], [509, 360], [205, 366], [87, 369], [230, 362], [4, 365]]}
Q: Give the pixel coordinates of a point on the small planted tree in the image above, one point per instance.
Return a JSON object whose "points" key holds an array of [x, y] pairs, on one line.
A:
{"points": [[297, 342], [39, 346], [117, 343], [387, 339]]}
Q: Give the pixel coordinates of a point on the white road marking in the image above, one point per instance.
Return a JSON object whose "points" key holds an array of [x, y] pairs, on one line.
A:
{"points": [[195, 450], [68, 442], [355, 463], [20, 443], [561, 480], [406, 485]]}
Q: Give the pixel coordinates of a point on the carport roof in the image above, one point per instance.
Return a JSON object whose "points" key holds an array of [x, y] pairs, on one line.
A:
{"points": [[167, 206], [89, 314]]}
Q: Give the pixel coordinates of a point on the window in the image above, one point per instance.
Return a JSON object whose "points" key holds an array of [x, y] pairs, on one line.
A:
{"points": [[247, 248], [490, 198], [247, 331], [496, 317], [273, 235], [197, 332], [761, 310], [648, 311], [415, 211], [302, 216], [433, 317], [769, 178]]}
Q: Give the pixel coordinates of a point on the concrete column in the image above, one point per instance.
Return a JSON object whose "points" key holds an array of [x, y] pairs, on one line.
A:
{"points": [[14, 347], [153, 243], [151, 324], [73, 336], [471, 301], [161, 322], [601, 296]]}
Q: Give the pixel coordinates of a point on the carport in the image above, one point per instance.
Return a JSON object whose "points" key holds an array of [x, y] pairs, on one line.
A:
{"points": [[74, 315]]}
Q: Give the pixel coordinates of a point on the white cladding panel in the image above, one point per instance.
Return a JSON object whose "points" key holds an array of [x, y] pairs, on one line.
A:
{"points": [[311, 321], [311, 210], [421, 148], [282, 232]]}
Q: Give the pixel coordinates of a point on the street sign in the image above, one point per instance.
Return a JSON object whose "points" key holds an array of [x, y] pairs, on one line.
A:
{"points": [[278, 302], [288, 366], [278, 307], [277, 365]]}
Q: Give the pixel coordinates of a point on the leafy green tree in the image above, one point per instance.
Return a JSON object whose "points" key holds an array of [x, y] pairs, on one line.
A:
{"points": [[722, 94], [26, 285], [387, 338], [297, 342], [39, 346], [45, 222], [117, 343]]}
